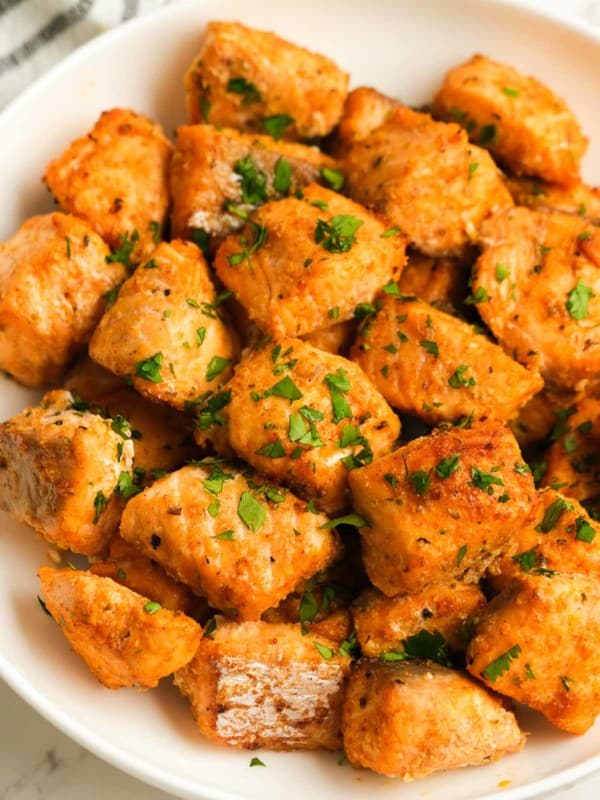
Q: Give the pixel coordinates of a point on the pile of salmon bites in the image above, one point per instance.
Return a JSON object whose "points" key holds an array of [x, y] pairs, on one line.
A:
{"points": [[261, 315]]}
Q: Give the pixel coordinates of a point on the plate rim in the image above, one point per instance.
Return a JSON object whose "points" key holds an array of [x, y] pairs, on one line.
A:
{"points": [[83, 735]]}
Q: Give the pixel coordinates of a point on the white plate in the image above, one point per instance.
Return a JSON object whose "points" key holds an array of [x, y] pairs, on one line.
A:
{"points": [[402, 47]]}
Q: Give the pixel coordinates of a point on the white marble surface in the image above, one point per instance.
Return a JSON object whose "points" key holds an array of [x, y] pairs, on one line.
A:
{"points": [[37, 762]]}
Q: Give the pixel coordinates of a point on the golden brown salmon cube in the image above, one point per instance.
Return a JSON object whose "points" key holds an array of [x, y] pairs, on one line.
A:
{"points": [[408, 720], [537, 417], [217, 176], [441, 282], [165, 329], [306, 418], [441, 508], [336, 339], [364, 110], [255, 684], [162, 436], [435, 366], [385, 623], [232, 538], [537, 642], [301, 263], [256, 81], [575, 198], [573, 458], [520, 120], [537, 286], [53, 275], [561, 538], [124, 638], [116, 178], [127, 566], [59, 469], [427, 179]]}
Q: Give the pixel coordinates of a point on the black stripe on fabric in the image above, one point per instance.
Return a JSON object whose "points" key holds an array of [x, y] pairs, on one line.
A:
{"points": [[130, 9], [57, 25], [6, 5]]}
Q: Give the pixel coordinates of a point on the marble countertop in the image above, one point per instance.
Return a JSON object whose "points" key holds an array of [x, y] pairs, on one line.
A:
{"points": [[37, 762]]}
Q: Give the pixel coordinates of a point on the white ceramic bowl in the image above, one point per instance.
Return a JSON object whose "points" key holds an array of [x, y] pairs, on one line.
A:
{"points": [[402, 47]]}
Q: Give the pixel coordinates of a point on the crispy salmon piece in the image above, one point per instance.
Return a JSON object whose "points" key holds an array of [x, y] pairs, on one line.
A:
{"points": [[385, 623], [432, 365], [256, 684], [441, 282], [561, 538], [218, 175], [520, 120], [59, 469], [53, 278], [124, 638], [408, 720], [306, 418], [537, 642], [427, 179], [127, 566], [257, 81], [441, 508], [165, 330], [573, 458], [537, 286], [116, 178], [162, 436], [575, 198], [301, 263], [364, 110], [232, 538]]}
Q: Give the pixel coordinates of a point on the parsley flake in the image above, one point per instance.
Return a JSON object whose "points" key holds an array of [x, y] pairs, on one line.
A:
{"points": [[247, 90], [251, 512], [578, 299], [501, 664], [215, 367], [149, 368], [339, 234], [334, 178], [275, 125]]}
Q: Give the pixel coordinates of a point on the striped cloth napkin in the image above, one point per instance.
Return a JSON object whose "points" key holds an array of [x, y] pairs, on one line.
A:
{"points": [[36, 34]]}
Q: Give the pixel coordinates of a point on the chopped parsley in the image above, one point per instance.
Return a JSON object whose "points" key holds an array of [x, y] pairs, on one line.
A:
{"points": [[246, 89], [430, 346], [152, 607], [273, 449], [275, 125], [100, 503], [458, 379], [259, 237], [480, 295], [487, 135], [585, 532], [226, 536], [484, 480], [326, 652], [216, 480], [578, 299], [526, 560], [501, 664], [462, 552], [124, 251], [395, 231], [502, 272], [334, 178], [553, 514], [348, 519], [425, 645], [338, 386], [339, 234], [283, 176], [149, 368], [154, 228], [254, 181], [447, 466], [201, 239], [126, 488], [256, 762], [473, 167], [510, 92], [285, 388], [216, 366], [251, 512], [420, 481], [207, 413]]}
